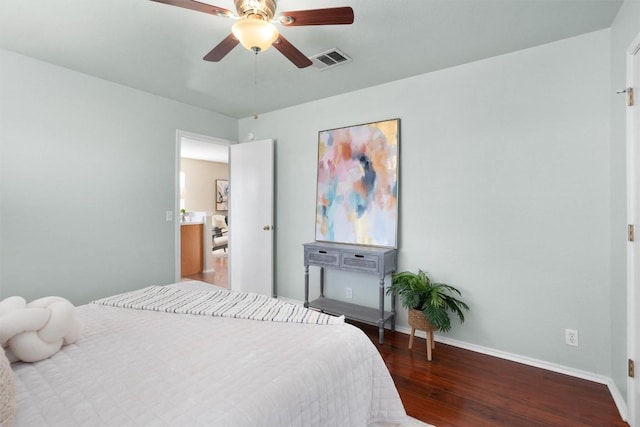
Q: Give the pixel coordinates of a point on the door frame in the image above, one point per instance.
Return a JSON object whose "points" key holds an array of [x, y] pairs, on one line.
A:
{"points": [[633, 217], [180, 134]]}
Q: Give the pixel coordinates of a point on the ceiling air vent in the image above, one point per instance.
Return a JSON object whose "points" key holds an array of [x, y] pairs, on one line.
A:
{"points": [[329, 59]]}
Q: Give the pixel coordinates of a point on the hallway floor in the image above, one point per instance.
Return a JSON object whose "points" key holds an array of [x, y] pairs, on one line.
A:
{"points": [[219, 276]]}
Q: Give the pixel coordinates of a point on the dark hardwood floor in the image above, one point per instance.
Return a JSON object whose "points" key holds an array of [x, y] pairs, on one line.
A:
{"points": [[218, 276], [464, 388], [461, 388]]}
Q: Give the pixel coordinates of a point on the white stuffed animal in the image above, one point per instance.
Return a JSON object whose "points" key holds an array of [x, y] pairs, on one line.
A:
{"points": [[36, 331]]}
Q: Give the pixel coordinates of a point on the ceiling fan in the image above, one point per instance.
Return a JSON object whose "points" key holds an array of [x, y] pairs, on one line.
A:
{"points": [[254, 28]]}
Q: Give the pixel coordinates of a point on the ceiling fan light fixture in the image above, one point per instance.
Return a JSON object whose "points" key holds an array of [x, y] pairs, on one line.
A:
{"points": [[254, 33], [264, 8]]}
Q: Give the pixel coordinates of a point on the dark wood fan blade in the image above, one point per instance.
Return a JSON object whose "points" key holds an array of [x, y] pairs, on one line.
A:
{"points": [[331, 16], [220, 51], [197, 6], [290, 51]]}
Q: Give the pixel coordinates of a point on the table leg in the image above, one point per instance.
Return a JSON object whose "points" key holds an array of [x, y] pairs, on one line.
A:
{"points": [[306, 286], [393, 312], [321, 282], [381, 319]]}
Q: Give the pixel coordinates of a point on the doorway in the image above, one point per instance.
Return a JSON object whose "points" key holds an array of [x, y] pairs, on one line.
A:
{"points": [[201, 161]]}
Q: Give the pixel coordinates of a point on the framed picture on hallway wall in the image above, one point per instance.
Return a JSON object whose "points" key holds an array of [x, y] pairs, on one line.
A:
{"points": [[357, 185], [222, 194]]}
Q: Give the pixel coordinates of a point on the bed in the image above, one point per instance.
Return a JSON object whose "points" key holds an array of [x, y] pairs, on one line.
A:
{"points": [[147, 367]]}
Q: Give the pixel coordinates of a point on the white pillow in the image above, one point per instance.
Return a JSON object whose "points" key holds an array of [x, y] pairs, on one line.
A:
{"points": [[7, 392], [35, 331]]}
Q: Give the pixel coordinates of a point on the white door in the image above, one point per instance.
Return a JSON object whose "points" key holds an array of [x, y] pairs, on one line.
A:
{"points": [[633, 215], [251, 177]]}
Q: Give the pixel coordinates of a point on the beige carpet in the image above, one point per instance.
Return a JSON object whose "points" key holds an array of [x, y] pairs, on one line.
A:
{"points": [[416, 423]]}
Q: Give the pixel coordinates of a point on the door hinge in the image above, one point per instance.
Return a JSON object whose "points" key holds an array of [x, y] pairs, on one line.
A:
{"points": [[631, 233], [629, 92], [631, 370]]}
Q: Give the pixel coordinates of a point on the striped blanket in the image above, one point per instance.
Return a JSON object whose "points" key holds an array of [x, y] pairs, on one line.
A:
{"points": [[239, 305]]}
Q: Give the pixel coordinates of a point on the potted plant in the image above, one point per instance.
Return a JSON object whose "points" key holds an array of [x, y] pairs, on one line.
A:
{"points": [[427, 300]]}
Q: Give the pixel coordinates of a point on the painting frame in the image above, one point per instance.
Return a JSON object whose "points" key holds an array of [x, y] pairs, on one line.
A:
{"points": [[222, 194], [357, 184]]}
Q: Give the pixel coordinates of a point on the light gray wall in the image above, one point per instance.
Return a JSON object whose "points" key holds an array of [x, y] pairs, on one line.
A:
{"points": [[505, 192], [86, 176], [624, 29]]}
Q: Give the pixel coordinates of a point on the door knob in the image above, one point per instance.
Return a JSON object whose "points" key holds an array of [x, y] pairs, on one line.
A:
{"points": [[266, 228]]}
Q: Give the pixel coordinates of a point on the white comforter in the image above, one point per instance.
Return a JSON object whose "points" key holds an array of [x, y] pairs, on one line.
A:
{"points": [[139, 368]]}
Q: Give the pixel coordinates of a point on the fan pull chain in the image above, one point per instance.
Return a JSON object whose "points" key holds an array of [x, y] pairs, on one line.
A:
{"points": [[255, 82]]}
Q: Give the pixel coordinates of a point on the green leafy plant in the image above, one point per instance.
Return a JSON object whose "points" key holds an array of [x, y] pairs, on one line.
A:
{"points": [[417, 291]]}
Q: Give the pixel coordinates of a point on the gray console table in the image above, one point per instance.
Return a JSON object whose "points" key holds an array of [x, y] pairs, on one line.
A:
{"points": [[363, 259]]}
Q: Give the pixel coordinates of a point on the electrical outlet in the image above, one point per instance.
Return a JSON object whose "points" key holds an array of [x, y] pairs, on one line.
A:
{"points": [[571, 337], [349, 293], [168, 216]]}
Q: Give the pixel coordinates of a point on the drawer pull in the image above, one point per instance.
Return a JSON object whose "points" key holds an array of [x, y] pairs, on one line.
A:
{"points": [[359, 256], [323, 252]]}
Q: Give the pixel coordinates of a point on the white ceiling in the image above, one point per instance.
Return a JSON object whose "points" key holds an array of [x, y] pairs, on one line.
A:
{"points": [[159, 48]]}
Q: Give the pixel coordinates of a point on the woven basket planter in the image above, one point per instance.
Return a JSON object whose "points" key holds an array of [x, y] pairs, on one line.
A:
{"points": [[417, 320]]}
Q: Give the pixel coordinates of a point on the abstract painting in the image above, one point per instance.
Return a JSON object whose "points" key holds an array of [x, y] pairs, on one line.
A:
{"points": [[357, 190], [222, 194]]}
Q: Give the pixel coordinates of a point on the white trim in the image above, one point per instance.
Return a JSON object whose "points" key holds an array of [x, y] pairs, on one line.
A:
{"points": [[203, 138], [618, 399], [633, 280], [176, 203], [585, 375], [176, 210]]}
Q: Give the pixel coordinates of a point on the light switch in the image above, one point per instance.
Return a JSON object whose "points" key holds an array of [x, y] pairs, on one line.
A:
{"points": [[169, 216]]}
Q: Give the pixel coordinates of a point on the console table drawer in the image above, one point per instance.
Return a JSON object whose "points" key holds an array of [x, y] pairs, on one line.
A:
{"points": [[360, 262], [321, 257]]}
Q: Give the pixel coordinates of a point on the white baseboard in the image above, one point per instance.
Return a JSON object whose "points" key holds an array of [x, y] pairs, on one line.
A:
{"points": [[620, 402], [618, 399]]}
